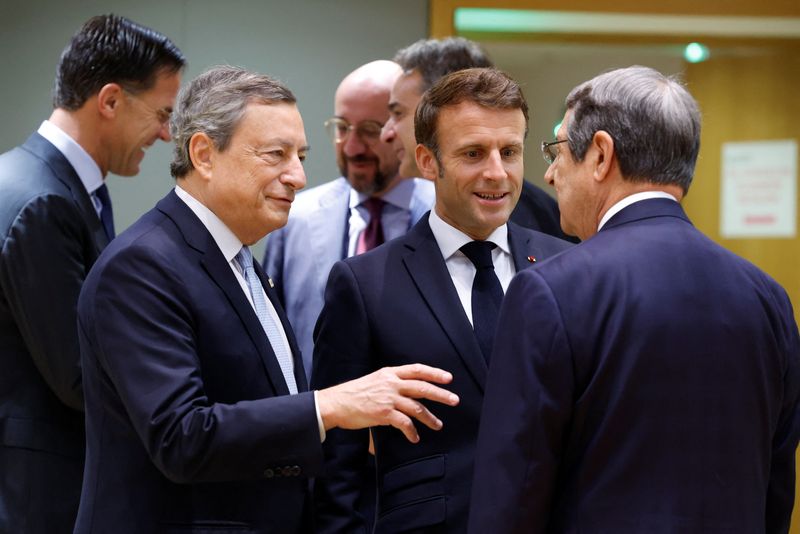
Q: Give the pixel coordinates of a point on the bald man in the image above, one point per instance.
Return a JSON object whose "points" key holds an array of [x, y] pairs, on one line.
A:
{"points": [[368, 204]]}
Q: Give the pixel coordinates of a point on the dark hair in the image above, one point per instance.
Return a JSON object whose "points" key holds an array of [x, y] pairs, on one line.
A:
{"points": [[434, 58], [214, 103], [489, 88], [112, 49], [652, 118]]}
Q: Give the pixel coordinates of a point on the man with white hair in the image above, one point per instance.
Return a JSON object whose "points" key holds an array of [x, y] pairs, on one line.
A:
{"points": [[646, 380]]}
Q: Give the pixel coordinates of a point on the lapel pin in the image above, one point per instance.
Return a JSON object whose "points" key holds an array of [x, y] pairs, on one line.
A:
{"points": [[531, 259], [271, 283]]}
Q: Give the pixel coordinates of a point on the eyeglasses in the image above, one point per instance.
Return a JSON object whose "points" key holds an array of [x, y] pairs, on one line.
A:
{"points": [[550, 151], [161, 114], [368, 131]]}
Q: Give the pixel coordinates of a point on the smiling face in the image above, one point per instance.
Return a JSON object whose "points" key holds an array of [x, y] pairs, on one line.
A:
{"points": [[479, 176], [143, 119], [370, 166], [252, 183], [399, 129]]}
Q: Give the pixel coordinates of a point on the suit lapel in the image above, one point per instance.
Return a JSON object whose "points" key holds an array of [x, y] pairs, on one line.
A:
{"points": [[299, 373], [427, 268], [526, 250], [329, 224], [212, 260], [63, 170]]}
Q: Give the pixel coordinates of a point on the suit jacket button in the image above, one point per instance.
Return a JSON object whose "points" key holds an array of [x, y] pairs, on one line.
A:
{"points": [[269, 473]]}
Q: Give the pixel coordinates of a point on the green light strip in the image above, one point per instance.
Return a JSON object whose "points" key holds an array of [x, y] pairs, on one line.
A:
{"points": [[471, 19]]}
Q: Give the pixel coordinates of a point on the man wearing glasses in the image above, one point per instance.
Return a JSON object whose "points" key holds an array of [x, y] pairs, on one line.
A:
{"points": [[647, 380], [115, 87], [369, 204]]}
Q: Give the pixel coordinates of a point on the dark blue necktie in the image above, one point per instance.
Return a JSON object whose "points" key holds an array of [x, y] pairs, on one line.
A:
{"points": [[487, 294], [106, 213]]}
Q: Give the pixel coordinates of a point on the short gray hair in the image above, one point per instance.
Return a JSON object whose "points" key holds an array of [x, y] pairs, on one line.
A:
{"points": [[652, 118], [214, 103]]}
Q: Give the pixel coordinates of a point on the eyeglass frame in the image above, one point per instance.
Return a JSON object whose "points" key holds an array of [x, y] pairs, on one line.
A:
{"points": [[357, 128], [546, 150], [163, 115]]}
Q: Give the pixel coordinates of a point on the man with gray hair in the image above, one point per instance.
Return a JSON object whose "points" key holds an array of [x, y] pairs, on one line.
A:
{"points": [[368, 204], [647, 380], [424, 63], [199, 417]]}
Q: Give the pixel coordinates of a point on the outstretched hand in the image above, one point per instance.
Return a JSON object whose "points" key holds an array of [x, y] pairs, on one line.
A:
{"points": [[387, 397]]}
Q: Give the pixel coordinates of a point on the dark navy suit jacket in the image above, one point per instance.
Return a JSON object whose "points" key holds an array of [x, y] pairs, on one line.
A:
{"points": [[190, 427], [50, 236], [646, 380], [538, 211], [392, 306]]}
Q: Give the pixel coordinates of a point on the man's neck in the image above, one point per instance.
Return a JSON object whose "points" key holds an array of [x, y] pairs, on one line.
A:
{"points": [[82, 130]]}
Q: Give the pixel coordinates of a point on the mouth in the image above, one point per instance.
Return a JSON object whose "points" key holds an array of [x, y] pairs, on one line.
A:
{"points": [[491, 197]]}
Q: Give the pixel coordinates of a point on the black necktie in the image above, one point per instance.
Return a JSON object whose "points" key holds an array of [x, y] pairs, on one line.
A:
{"points": [[106, 214], [487, 294]]}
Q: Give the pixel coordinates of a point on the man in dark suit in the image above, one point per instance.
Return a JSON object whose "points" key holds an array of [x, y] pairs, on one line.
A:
{"points": [[327, 222], [646, 380], [115, 86], [198, 414], [424, 63], [420, 298]]}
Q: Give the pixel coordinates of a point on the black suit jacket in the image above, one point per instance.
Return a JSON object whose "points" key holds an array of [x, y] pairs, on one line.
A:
{"points": [[189, 424], [50, 236], [393, 306], [539, 211], [646, 380]]}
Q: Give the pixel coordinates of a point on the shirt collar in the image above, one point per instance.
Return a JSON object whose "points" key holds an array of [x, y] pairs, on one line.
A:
{"points": [[85, 166], [451, 239], [225, 239], [631, 199], [399, 196]]}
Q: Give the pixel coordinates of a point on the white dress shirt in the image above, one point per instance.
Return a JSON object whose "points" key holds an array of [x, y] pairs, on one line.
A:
{"points": [[85, 166], [631, 199], [461, 269], [230, 246], [395, 217]]}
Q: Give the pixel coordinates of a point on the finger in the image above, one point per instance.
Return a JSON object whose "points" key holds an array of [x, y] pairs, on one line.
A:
{"points": [[419, 412], [417, 389], [421, 371], [404, 424]]}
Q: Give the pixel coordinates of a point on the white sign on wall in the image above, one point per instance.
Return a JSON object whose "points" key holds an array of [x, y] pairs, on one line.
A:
{"points": [[759, 189]]}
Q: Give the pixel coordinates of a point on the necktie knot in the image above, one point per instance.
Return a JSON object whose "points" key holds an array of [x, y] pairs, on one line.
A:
{"points": [[372, 236], [106, 214], [245, 258], [479, 253], [374, 206]]}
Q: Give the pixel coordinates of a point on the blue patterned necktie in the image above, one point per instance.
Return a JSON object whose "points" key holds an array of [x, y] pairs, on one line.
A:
{"points": [[487, 294], [106, 213], [271, 328]]}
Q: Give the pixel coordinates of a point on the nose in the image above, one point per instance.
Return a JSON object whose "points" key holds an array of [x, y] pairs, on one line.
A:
{"points": [[548, 176], [163, 132], [352, 145], [387, 132], [494, 170], [295, 175]]}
